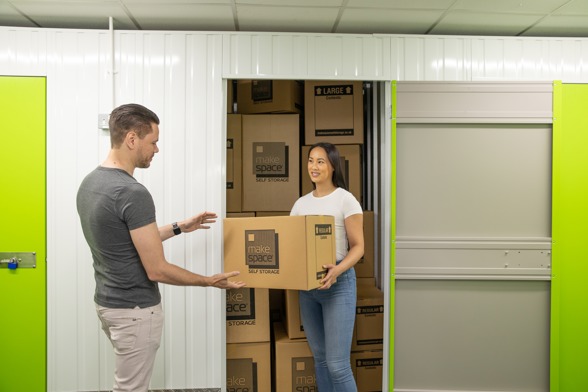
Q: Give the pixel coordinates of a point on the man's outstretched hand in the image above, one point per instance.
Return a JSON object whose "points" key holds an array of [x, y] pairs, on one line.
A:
{"points": [[222, 281]]}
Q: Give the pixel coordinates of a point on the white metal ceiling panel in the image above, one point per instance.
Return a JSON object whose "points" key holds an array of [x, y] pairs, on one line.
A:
{"points": [[194, 17], [388, 20], [10, 17], [253, 18], [576, 26], [510, 6], [175, 2], [297, 3], [485, 23], [401, 4], [74, 14], [578, 8], [453, 17]]}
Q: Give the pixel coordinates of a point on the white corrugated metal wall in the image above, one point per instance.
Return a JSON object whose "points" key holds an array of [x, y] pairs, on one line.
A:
{"points": [[181, 76]]}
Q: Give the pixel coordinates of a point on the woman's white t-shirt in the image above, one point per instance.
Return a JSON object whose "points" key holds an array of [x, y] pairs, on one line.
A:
{"points": [[339, 204]]}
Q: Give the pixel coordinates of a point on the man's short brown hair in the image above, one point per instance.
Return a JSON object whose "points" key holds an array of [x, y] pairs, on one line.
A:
{"points": [[130, 117]]}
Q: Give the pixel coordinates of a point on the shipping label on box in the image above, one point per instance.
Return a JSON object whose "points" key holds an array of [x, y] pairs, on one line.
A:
{"points": [[247, 315], [269, 96], [248, 367], [333, 112], [294, 363], [262, 90], [271, 175], [282, 252]]}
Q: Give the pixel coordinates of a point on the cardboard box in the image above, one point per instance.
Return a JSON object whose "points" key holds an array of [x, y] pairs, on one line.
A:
{"points": [[240, 214], [365, 267], [247, 315], [368, 333], [333, 112], [281, 252], [272, 213], [292, 319], [234, 176], [370, 282], [367, 369], [351, 159], [294, 363], [248, 367], [271, 162], [270, 96]]}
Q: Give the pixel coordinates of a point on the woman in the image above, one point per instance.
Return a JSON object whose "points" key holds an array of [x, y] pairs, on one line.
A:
{"points": [[328, 313]]}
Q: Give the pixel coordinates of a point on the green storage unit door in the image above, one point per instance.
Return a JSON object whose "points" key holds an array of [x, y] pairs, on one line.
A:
{"points": [[569, 327], [23, 230]]}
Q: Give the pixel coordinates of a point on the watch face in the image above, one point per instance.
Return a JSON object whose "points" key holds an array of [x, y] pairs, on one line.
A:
{"points": [[176, 228]]}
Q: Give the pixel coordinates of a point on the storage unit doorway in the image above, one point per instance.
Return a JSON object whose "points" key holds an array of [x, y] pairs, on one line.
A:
{"points": [[373, 192], [461, 184]]}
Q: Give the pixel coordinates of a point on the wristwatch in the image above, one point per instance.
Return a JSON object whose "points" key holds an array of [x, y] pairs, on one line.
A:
{"points": [[176, 228]]}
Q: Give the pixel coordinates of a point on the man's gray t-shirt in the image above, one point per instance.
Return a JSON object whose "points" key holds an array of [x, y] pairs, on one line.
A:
{"points": [[111, 203]]}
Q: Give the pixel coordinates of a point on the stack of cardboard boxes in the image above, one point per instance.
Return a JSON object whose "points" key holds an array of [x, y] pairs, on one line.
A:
{"points": [[248, 340], [268, 140]]}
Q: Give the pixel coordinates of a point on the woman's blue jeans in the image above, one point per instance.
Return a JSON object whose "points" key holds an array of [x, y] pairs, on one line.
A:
{"points": [[328, 317]]}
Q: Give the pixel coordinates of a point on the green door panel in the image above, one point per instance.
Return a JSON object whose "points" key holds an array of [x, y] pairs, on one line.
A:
{"points": [[23, 229], [569, 302], [392, 267]]}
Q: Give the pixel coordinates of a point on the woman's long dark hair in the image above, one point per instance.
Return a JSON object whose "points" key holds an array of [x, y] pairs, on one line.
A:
{"points": [[333, 155]]}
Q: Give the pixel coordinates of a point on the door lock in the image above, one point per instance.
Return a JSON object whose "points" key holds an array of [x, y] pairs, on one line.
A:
{"points": [[14, 260], [11, 263]]}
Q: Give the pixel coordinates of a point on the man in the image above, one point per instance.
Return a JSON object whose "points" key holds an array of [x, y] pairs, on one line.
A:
{"points": [[117, 215]]}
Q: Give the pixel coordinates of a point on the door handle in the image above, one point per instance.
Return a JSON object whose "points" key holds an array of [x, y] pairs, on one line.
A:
{"points": [[14, 260]]}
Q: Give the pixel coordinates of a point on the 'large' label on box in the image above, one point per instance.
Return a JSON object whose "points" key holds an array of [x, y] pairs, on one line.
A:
{"points": [[262, 251], [324, 100], [333, 112]]}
